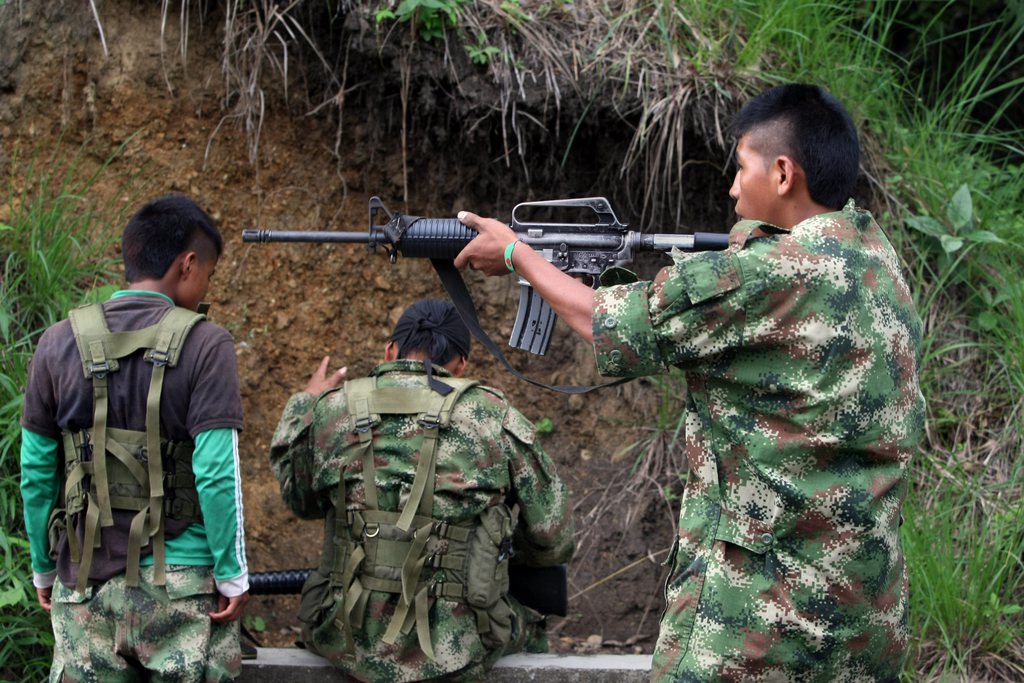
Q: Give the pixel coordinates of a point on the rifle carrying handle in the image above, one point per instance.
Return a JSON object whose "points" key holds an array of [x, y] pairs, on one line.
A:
{"points": [[535, 320]]}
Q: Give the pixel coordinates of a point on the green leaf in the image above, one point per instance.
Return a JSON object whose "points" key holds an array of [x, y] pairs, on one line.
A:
{"points": [[988, 321], [951, 243], [11, 596], [927, 225], [986, 236], [961, 209], [545, 425], [406, 7], [255, 622]]}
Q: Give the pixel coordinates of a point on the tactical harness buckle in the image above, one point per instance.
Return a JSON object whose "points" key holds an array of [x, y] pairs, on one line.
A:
{"points": [[430, 421], [100, 369], [157, 357], [363, 424], [374, 532]]}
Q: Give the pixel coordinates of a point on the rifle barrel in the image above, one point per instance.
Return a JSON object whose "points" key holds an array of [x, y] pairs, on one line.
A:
{"points": [[698, 241], [256, 235]]}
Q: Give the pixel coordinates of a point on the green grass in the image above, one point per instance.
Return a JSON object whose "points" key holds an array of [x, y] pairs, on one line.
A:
{"points": [[964, 549], [55, 250]]}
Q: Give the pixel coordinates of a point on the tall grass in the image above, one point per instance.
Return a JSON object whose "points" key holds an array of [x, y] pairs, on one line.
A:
{"points": [[55, 247], [967, 578]]}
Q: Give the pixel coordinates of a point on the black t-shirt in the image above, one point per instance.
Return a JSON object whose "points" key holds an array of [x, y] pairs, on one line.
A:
{"points": [[199, 394]]}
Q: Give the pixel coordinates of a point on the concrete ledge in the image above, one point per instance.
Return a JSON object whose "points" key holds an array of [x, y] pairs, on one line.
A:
{"points": [[292, 665]]}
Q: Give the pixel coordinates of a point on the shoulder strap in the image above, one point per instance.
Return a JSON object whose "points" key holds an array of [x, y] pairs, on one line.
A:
{"points": [[170, 335], [100, 349], [357, 397], [90, 330], [443, 409], [435, 416], [367, 402]]}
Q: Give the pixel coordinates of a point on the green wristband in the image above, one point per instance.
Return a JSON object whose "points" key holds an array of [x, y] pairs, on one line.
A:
{"points": [[508, 256]]}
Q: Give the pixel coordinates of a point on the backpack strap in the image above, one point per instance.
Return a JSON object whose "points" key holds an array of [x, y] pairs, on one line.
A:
{"points": [[436, 417], [170, 336], [100, 351]]}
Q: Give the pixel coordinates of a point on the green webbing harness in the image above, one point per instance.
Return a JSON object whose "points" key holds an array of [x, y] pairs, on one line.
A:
{"points": [[125, 468], [387, 551]]}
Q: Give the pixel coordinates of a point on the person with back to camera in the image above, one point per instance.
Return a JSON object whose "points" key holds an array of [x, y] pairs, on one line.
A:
{"points": [[801, 348], [130, 470], [413, 581]]}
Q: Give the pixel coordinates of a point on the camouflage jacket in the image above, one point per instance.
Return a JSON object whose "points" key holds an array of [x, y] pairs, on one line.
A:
{"points": [[801, 351], [488, 455]]}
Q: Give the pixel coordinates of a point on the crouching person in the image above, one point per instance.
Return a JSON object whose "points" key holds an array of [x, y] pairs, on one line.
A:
{"points": [[430, 485]]}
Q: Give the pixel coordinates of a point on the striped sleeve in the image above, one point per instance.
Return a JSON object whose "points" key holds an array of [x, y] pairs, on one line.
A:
{"points": [[219, 483]]}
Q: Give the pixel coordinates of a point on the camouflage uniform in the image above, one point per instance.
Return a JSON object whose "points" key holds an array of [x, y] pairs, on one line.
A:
{"points": [[801, 353], [488, 455], [103, 630]]}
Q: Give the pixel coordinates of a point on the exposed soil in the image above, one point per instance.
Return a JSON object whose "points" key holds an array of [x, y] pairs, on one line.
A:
{"points": [[288, 305]]}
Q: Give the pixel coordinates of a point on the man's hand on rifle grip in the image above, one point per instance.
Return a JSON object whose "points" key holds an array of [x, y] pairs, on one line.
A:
{"points": [[486, 252]]}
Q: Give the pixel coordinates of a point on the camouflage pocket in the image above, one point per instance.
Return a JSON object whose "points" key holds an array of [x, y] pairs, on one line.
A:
{"points": [[321, 611], [487, 567], [184, 581], [751, 533], [487, 576]]}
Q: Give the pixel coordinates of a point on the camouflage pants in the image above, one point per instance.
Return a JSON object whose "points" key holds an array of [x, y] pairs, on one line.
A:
{"points": [[161, 633]]}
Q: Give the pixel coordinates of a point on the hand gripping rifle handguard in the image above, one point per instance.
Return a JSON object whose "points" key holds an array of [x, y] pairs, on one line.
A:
{"points": [[585, 248]]}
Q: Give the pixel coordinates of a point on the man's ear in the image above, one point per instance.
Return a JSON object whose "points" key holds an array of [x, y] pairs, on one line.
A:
{"points": [[188, 263], [458, 366], [787, 175], [390, 351]]}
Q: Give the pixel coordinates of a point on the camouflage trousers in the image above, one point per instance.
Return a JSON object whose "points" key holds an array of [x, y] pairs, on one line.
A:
{"points": [[161, 633]]}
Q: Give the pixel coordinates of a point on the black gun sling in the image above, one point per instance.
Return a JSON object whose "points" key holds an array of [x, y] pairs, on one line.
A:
{"points": [[456, 289]]}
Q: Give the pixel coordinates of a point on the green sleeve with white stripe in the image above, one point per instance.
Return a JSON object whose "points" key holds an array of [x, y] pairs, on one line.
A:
{"points": [[218, 481]]}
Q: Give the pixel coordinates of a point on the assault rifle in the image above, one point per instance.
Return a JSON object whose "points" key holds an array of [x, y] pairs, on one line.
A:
{"points": [[586, 246], [545, 589]]}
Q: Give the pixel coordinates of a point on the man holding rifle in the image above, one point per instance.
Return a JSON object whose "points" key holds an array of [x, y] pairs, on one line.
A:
{"points": [[430, 485], [801, 347]]}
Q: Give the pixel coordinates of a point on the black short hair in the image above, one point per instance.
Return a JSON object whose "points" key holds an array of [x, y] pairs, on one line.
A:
{"points": [[432, 327], [161, 230], [810, 125]]}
